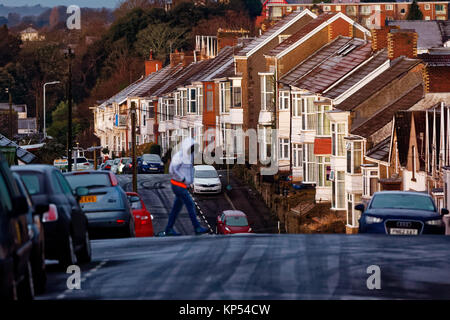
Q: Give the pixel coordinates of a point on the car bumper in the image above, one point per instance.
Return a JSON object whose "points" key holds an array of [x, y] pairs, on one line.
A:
{"points": [[211, 190], [148, 169], [379, 228], [55, 238], [107, 219]]}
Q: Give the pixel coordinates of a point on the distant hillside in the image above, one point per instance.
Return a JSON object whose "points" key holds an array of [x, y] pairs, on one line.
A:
{"points": [[22, 11]]}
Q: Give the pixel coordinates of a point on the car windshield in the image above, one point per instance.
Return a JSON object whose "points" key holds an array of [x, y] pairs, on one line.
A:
{"points": [[126, 160], [151, 157], [206, 174], [80, 160], [89, 180], [236, 221], [33, 182], [135, 202], [402, 201]]}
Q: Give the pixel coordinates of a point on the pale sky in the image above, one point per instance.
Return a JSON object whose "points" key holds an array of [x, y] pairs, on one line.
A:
{"points": [[52, 3]]}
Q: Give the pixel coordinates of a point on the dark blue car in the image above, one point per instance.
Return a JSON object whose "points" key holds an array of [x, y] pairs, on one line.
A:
{"points": [[150, 163], [401, 213]]}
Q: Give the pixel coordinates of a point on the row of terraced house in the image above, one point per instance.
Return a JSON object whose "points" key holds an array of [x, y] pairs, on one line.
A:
{"points": [[348, 110]]}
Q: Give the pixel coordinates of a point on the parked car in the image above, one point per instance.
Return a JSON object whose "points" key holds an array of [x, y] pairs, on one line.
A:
{"points": [[16, 278], [36, 233], [81, 163], [106, 165], [106, 204], [127, 165], [65, 224], [142, 218], [150, 163], [115, 165], [118, 165], [206, 180], [232, 222], [401, 213]]}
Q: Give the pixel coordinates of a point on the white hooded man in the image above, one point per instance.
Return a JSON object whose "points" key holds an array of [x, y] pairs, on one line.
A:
{"points": [[181, 170]]}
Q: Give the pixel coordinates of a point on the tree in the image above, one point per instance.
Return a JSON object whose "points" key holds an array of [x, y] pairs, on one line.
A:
{"points": [[162, 39], [9, 46], [414, 12]]}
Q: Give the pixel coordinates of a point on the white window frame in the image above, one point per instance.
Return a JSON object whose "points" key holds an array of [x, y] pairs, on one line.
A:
{"points": [[309, 111], [284, 100], [297, 155], [199, 100], [353, 214], [351, 152], [267, 103], [335, 188], [370, 173], [297, 102], [192, 101], [323, 121], [389, 7], [236, 92], [337, 136], [323, 164], [309, 163], [284, 150], [225, 97]]}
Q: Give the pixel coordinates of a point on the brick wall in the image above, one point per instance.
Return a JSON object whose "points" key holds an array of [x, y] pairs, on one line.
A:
{"points": [[402, 43], [437, 79]]}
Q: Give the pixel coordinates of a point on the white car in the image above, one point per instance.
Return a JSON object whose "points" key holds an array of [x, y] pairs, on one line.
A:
{"points": [[206, 180], [80, 164]]}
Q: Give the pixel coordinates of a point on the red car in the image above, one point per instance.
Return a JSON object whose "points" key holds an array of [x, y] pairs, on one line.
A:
{"points": [[232, 222], [142, 218]]}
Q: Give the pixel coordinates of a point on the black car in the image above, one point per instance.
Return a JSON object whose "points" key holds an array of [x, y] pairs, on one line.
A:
{"points": [[65, 224], [36, 233], [16, 278], [150, 163], [106, 205], [401, 213]]}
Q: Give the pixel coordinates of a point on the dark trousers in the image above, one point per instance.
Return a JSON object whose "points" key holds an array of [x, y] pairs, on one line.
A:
{"points": [[182, 196]]}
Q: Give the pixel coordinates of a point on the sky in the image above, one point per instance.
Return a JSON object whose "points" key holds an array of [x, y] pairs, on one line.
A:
{"points": [[52, 3]]}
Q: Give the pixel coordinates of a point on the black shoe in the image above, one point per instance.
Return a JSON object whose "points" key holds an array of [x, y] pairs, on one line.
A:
{"points": [[201, 230], [172, 232]]}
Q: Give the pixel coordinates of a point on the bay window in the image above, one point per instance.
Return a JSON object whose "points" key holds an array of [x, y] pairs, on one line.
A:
{"points": [[267, 90], [308, 114], [353, 215], [192, 100], [236, 94], [338, 191], [284, 148], [284, 100], [323, 123], [297, 105], [309, 164], [354, 156], [370, 179], [338, 133], [297, 156], [177, 100], [199, 100], [225, 97], [183, 102], [323, 169], [265, 142]]}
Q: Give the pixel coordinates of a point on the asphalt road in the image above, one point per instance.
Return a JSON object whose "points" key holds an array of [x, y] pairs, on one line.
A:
{"points": [[258, 266]]}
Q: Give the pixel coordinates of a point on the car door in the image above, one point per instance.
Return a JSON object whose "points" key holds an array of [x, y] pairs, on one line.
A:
{"points": [[58, 197], [79, 220]]}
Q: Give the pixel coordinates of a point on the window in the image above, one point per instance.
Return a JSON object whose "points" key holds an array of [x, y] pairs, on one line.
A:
{"points": [[177, 100], [283, 37], [309, 159], [151, 111], [308, 114], [267, 89], [427, 6], [200, 100], [284, 149], [324, 170], [326, 8], [402, 11], [338, 191], [225, 97], [170, 109], [236, 93], [389, 7], [266, 142], [351, 10], [209, 100], [64, 184], [297, 105], [338, 8], [439, 8], [297, 157], [352, 214], [276, 12], [370, 181], [284, 100], [192, 100], [55, 183], [323, 123], [366, 10], [183, 102], [337, 139], [354, 156]]}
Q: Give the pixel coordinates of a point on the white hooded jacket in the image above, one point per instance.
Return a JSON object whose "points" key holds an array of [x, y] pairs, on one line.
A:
{"points": [[181, 167]]}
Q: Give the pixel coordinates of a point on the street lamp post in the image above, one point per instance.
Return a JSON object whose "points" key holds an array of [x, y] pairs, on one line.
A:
{"points": [[53, 82]]}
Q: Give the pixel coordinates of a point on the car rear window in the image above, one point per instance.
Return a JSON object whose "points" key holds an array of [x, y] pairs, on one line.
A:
{"points": [[81, 160], [90, 180], [206, 174], [237, 221], [402, 201], [33, 182]]}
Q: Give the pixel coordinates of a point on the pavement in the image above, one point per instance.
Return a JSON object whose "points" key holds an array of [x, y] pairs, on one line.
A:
{"points": [[257, 266]]}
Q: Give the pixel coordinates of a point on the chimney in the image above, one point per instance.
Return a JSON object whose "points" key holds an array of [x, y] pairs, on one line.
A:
{"points": [[229, 37], [402, 42], [152, 65], [379, 37], [180, 57]]}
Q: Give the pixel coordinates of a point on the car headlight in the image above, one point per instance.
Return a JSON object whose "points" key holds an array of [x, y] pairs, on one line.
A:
{"points": [[370, 219], [161, 164], [144, 163], [437, 222]]}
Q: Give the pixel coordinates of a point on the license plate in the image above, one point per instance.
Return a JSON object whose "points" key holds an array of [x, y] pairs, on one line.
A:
{"points": [[403, 232], [85, 199]]}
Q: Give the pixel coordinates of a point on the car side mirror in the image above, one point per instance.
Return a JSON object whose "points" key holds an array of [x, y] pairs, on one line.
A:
{"points": [[81, 191], [444, 211], [220, 176], [359, 207], [40, 209], [20, 206]]}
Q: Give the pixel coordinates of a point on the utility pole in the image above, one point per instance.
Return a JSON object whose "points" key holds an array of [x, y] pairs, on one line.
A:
{"points": [[69, 55], [133, 144]]}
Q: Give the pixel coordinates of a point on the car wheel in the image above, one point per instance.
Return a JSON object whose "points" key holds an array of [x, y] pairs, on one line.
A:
{"points": [[25, 289], [85, 254], [69, 257]]}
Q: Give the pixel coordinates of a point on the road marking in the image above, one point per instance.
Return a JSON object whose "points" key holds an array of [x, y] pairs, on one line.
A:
{"points": [[202, 215], [229, 200]]}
